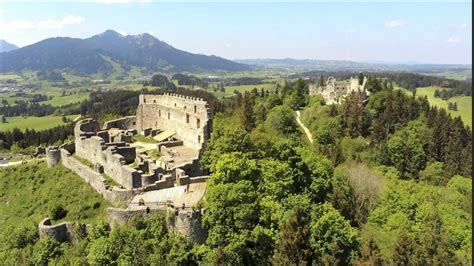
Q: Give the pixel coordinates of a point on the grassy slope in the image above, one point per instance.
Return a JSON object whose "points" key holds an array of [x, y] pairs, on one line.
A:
{"points": [[34, 122], [27, 193], [464, 103]]}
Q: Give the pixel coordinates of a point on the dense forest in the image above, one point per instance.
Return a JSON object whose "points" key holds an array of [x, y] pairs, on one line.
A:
{"points": [[386, 181]]}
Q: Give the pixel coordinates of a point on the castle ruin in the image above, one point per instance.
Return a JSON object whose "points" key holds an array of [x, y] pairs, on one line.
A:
{"points": [[334, 92], [145, 163]]}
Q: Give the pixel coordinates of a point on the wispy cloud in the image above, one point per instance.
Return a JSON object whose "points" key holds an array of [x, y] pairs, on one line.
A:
{"points": [[350, 30], [394, 23], [49, 24], [453, 40], [463, 26]]}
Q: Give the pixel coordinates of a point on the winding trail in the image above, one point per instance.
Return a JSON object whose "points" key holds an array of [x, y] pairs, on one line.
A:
{"points": [[305, 129], [20, 162]]}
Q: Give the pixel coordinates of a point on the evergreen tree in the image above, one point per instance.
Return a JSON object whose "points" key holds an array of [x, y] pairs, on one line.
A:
{"points": [[360, 77], [321, 81], [294, 248], [247, 116], [370, 254], [403, 251]]}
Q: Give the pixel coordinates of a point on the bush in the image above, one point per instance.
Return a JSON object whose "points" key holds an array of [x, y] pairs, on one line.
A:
{"points": [[57, 212], [46, 249]]}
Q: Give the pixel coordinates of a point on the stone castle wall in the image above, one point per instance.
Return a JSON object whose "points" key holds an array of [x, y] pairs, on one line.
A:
{"points": [[116, 196], [187, 116], [183, 221], [114, 159], [127, 122], [62, 232], [334, 92]]}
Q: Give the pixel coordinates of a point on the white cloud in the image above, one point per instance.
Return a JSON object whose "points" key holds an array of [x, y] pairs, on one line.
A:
{"points": [[123, 33], [350, 30], [453, 40], [49, 24], [463, 26], [394, 23]]}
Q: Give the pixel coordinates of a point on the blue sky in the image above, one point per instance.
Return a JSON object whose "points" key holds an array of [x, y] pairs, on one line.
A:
{"points": [[425, 32]]}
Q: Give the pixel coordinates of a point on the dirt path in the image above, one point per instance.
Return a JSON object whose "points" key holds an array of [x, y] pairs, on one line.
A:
{"points": [[19, 162], [305, 129]]}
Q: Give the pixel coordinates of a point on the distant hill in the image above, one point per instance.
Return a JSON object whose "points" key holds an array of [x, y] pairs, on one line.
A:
{"points": [[103, 52], [343, 65], [6, 46]]}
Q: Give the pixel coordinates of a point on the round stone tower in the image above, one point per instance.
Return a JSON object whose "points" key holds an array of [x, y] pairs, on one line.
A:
{"points": [[53, 156]]}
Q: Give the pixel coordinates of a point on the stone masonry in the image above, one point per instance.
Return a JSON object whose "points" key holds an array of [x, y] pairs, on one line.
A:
{"points": [[181, 125], [189, 117], [334, 92]]}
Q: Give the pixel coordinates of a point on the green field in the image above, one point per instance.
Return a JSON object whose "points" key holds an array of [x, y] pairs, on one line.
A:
{"points": [[73, 96], [34, 122], [29, 192], [464, 103], [242, 88]]}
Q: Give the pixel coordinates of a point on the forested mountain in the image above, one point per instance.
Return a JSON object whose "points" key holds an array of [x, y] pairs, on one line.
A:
{"points": [[99, 53], [6, 46]]}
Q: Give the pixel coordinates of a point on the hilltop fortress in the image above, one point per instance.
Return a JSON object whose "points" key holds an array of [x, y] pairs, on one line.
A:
{"points": [[145, 163], [334, 92]]}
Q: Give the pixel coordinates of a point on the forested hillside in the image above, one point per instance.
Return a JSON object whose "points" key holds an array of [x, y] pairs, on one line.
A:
{"points": [[385, 181]]}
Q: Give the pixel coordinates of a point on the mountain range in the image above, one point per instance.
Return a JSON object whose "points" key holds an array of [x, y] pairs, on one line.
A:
{"points": [[6, 46], [101, 53]]}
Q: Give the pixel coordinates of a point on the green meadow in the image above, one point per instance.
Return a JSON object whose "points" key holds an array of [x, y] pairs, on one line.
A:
{"points": [[33, 122], [464, 103], [243, 88]]}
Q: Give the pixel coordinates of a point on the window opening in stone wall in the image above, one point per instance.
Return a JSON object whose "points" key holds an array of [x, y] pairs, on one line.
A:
{"points": [[187, 118], [195, 109], [198, 123], [159, 113], [199, 138], [154, 101], [174, 104], [168, 116]]}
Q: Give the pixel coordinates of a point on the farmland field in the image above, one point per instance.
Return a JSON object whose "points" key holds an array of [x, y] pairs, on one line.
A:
{"points": [[464, 104], [242, 88], [33, 122]]}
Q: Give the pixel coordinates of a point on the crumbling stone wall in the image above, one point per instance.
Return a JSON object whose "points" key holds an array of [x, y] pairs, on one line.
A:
{"points": [[116, 196], [189, 117], [114, 158], [128, 122], [62, 232], [189, 224], [53, 156], [186, 222], [334, 92]]}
